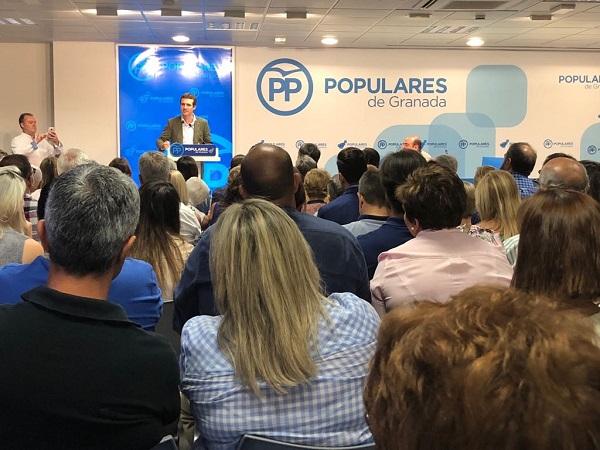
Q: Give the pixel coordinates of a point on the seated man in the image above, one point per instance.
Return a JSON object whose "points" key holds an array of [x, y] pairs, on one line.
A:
{"points": [[372, 205], [135, 288], [267, 172], [76, 372], [520, 160], [493, 369], [351, 163]]}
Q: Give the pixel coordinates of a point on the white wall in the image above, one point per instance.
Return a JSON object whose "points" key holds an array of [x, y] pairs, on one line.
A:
{"points": [[25, 86], [85, 97]]}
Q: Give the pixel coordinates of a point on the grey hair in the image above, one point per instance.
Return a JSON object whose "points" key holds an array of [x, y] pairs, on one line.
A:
{"points": [[70, 158], [91, 211], [154, 166], [553, 178]]}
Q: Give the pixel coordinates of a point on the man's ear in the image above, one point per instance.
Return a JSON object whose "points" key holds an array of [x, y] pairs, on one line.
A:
{"points": [[125, 250], [361, 201], [297, 180], [41, 229]]}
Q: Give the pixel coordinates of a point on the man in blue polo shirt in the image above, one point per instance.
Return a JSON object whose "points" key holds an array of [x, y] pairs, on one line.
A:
{"points": [[351, 163], [267, 172]]}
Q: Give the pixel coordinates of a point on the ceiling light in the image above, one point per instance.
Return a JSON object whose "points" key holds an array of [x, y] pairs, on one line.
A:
{"points": [[296, 14], [28, 21], [106, 10], [541, 17], [180, 38], [280, 40], [12, 21], [475, 41], [235, 13], [419, 15], [329, 40], [563, 8]]}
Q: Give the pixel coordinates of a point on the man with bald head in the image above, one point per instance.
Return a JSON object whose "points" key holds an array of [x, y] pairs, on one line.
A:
{"points": [[564, 173], [520, 160], [416, 144], [267, 172]]}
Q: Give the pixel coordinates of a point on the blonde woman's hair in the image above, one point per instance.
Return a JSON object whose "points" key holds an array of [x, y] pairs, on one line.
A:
{"points": [[497, 198], [178, 182], [12, 189], [268, 290]]}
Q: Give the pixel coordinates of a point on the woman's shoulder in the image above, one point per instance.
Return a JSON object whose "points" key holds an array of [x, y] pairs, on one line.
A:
{"points": [[349, 313]]}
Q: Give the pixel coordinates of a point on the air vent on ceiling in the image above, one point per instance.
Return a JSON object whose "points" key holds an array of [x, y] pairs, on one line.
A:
{"points": [[461, 5], [232, 26], [449, 29]]}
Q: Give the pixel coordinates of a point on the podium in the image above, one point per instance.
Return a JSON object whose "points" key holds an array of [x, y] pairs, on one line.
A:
{"points": [[200, 152]]}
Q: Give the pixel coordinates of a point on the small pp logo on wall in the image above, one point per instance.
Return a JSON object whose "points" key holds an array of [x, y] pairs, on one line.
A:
{"points": [[592, 149], [284, 87]]}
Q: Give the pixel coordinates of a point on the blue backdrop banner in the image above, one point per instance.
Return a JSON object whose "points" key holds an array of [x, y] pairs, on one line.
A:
{"points": [[151, 81]]}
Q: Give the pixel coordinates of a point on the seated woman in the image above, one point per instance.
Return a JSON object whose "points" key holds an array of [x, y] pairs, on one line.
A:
{"points": [[493, 369], [158, 239], [190, 217], [315, 185], [441, 260], [559, 249], [282, 361], [16, 245], [497, 201], [230, 196]]}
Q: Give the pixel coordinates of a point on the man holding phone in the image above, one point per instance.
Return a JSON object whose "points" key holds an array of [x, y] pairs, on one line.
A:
{"points": [[33, 145]]}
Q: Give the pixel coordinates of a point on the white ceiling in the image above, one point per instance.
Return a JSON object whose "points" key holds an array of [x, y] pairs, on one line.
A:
{"points": [[356, 23]]}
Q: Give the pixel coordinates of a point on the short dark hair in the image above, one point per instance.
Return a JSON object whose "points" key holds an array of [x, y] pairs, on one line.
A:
{"points": [[310, 150], [21, 162], [372, 156], [188, 167], [351, 164], [304, 164], [395, 169], [236, 161], [334, 187], [448, 161], [370, 187], [22, 117], [593, 170], [190, 96], [435, 196], [552, 156], [522, 160], [121, 164]]}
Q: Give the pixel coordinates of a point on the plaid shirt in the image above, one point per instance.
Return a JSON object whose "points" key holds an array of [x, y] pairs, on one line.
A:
{"points": [[527, 187], [30, 207], [328, 411]]}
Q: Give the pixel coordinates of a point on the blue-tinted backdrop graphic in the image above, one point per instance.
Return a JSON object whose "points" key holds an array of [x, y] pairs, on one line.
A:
{"points": [[151, 81]]}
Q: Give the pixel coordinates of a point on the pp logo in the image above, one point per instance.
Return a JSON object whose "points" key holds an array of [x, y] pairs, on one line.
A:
{"points": [[592, 149], [548, 143], [130, 125], [288, 85], [176, 149], [195, 92], [463, 143], [299, 143], [381, 144]]}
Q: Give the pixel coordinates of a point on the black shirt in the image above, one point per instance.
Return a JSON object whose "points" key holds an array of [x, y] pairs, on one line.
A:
{"points": [[77, 374]]}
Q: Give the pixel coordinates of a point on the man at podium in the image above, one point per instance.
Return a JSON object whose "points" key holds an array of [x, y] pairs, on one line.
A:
{"points": [[186, 128]]}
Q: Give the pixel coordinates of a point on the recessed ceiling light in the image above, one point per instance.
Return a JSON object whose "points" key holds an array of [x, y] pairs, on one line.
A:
{"points": [[563, 8], [475, 42], [180, 38], [329, 40], [280, 40], [540, 17]]}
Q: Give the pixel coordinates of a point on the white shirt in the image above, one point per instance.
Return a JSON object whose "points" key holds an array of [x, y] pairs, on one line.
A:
{"points": [[188, 131], [189, 226], [23, 144]]}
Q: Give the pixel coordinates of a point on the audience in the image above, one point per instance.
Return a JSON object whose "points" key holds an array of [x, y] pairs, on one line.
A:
{"points": [[593, 171], [394, 170], [304, 164], [372, 157], [372, 205], [231, 196], [81, 375], [351, 164], [30, 205], [465, 224], [199, 193], [159, 241], [497, 201], [310, 150], [189, 216], [552, 156], [480, 172], [16, 245], [441, 260], [334, 188], [267, 172], [415, 143], [49, 171], [448, 161], [520, 160], [290, 363], [564, 173], [154, 166], [559, 249], [315, 188], [122, 165], [493, 369]]}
